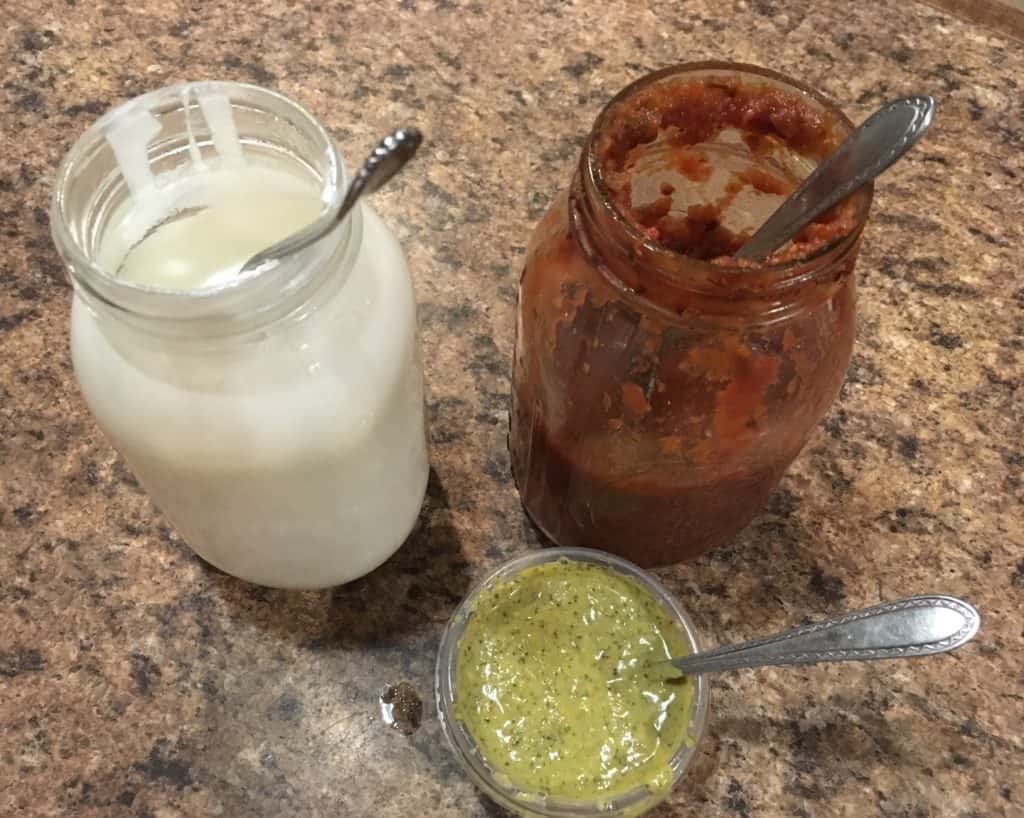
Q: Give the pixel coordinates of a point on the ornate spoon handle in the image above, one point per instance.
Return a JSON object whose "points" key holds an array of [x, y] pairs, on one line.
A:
{"points": [[917, 626]]}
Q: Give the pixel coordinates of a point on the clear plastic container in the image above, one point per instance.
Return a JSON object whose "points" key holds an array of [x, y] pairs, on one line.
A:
{"points": [[497, 787]]}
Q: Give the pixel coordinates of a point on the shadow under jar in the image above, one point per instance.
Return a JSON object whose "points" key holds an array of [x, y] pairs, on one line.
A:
{"points": [[661, 388]]}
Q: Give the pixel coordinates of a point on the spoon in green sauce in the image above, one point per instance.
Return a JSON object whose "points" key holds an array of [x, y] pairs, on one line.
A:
{"points": [[558, 688]]}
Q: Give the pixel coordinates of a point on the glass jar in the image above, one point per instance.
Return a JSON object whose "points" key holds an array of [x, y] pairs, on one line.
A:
{"points": [[275, 418], [658, 398]]}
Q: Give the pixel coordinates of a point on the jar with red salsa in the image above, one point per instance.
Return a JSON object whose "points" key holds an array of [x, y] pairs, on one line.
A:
{"points": [[661, 387]]}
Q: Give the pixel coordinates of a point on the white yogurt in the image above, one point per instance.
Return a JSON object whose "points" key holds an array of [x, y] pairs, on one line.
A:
{"points": [[293, 456]]}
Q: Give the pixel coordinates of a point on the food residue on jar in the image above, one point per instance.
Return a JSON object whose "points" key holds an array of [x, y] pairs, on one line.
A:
{"points": [[558, 684], [697, 166]]}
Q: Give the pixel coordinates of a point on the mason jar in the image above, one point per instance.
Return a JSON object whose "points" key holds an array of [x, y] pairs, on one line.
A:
{"points": [[275, 418], [658, 397]]}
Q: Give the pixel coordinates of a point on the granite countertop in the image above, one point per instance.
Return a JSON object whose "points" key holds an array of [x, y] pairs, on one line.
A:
{"points": [[136, 681]]}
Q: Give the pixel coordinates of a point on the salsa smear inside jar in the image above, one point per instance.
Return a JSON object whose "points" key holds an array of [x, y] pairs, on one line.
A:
{"points": [[661, 387]]}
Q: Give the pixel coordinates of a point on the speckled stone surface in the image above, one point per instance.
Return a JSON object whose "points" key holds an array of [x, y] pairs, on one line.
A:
{"points": [[135, 681]]}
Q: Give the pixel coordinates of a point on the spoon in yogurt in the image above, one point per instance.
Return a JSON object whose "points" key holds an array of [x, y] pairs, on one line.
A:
{"points": [[392, 154], [900, 629], [879, 141]]}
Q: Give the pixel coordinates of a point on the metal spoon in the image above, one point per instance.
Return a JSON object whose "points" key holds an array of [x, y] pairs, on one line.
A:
{"points": [[390, 156], [916, 626], [882, 139]]}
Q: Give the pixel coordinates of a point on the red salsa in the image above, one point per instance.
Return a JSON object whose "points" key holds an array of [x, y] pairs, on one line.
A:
{"points": [[661, 389]]}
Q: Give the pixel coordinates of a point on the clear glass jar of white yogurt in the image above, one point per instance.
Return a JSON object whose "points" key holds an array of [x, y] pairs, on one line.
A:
{"points": [[276, 418]]}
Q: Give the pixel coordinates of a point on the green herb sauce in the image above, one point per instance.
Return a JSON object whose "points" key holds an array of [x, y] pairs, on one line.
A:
{"points": [[553, 682]]}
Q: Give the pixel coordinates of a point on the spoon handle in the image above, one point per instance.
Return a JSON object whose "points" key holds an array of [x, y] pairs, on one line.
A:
{"points": [[916, 626], [882, 139], [390, 156]]}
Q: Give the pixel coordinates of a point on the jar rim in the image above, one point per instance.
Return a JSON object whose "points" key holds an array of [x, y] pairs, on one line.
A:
{"points": [[509, 796], [86, 274], [788, 271]]}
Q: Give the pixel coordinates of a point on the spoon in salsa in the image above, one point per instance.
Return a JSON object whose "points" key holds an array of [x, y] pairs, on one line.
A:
{"points": [[879, 141], [903, 628]]}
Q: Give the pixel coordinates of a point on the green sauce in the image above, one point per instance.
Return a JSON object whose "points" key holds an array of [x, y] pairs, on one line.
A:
{"points": [[554, 685]]}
